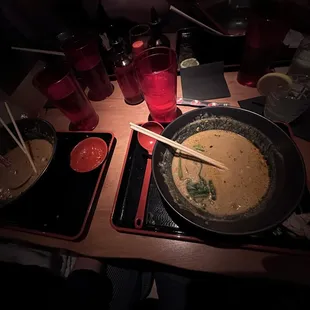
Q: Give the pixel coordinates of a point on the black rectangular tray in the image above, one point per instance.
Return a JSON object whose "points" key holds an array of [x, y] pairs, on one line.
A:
{"points": [[62, 203], [160, 222]]}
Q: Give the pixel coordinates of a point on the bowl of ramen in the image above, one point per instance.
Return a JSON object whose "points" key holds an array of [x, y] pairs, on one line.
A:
{"points": [[16, 174], [263, 184]]}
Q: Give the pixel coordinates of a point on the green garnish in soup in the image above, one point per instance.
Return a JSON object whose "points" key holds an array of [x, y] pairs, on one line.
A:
{"points": [[198, 147]]}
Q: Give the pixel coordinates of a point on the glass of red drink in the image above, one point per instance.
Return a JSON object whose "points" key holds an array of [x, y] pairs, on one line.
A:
{"points": [[265, 32], [58, 84], [156, 70], [83, 54]]}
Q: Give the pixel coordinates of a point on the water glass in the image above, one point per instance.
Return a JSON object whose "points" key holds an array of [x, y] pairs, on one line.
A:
{"points": [[301, 60], [156, 70], [84, 56], [58, 84], [263, 40], [288, 103]]}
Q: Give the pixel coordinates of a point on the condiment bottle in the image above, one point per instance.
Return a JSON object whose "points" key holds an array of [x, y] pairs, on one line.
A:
{"points": [[126, 75], [157, 38]]}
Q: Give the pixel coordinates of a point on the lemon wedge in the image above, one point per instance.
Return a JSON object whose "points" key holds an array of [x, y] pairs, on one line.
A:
{"points": [[272, 82]]}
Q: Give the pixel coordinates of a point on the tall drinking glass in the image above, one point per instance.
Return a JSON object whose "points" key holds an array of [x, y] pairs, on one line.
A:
{"points": [[83, 54], [285, 104], [301, 61], [157, 75], [58, 84], [263, 39]]}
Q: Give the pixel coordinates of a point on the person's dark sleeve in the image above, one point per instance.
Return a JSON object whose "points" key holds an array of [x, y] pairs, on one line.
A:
{"points": [[39, 288], [26, 286]]}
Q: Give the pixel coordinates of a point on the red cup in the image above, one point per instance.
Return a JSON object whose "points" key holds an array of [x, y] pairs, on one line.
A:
{"points": [[264, 36], [58, 84], [83, 54], [156, 70]]}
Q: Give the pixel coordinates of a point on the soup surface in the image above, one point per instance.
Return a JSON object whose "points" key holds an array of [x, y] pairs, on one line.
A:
{"points": [[19, 176], [222, 192]]}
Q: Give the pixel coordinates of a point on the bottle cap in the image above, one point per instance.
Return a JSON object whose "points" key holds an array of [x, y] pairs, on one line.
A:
{"points": [[137, 47]]}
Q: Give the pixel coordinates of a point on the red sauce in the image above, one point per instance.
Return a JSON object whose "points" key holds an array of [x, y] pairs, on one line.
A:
{"points": [[88, 155]]}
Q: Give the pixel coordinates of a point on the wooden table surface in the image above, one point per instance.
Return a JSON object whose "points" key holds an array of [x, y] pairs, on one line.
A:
{"points": [[103, 241]]}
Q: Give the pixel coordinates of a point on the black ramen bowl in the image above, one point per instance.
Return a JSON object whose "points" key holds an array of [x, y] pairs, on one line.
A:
{"points": [[285, 163], [30, 129]]}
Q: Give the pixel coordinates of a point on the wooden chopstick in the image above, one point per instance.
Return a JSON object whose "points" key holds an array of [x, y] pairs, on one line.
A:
{"points": [[178, 146], [22, 145]]}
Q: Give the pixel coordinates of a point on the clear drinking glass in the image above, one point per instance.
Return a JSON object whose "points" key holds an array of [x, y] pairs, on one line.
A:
{"points": [[301, 61], [264, 35], [58, 84], [287, 104], [83, 54], [156, 70]]}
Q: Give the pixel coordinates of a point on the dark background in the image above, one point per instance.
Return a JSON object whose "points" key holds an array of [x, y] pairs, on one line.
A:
{"points": [[35, 24]]}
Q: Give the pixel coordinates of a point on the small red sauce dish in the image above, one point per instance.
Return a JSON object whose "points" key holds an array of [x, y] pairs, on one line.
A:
{"points": [[88, 154]]}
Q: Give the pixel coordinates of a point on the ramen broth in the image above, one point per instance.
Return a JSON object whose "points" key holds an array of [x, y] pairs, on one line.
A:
{"points": [[19, 176], [222, 192]]}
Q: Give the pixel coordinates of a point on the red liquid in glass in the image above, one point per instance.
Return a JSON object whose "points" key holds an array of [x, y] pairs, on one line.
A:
{"points": [[95, 77], [159, 91], [254, 65], [74, 105], [128, 83], [263, 40]]}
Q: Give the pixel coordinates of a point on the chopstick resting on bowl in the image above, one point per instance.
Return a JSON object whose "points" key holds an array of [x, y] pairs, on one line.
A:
{"points": [[178, 146], [20, 142]]}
